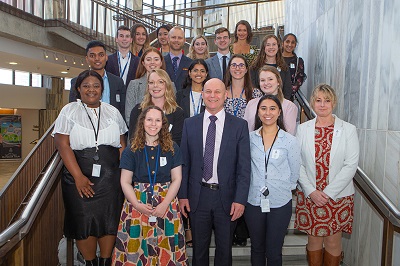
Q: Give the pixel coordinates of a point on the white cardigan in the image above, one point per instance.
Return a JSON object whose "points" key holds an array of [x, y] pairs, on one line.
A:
{"points": [[343, 159]]}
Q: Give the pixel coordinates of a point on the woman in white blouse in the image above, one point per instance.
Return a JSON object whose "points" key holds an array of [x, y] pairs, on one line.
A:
{"points": [[89, 136]]}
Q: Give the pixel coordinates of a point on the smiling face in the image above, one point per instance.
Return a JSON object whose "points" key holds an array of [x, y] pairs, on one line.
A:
{"points": [[90, 91], [198, 74], [214, 95], [200, 46], [152, 61], [96, 58], [140, 36], [152, 122], [237, 68], [156, 85], [268, 112], [163, 36], [123, 39], [271, 47], [269, 83], [289, 44], [222, 41], [176, 39], [323, 105], [242, 32]]}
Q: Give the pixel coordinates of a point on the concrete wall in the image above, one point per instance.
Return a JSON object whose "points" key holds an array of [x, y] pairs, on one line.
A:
{"points": [[353, 45]]}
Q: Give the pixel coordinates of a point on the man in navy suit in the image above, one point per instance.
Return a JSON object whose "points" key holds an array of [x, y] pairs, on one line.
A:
{"points": [[176, 40], [218, 199], [114, 88], [215, 63], [123, 63]]}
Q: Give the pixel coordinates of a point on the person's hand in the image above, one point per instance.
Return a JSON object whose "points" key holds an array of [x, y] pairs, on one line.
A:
{"points": [[160, 210], [184, 207], [84, 187], [319, 198], [237, 210], [146, 209]]}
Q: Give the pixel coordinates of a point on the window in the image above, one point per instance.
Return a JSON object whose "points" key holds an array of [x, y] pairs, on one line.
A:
{"points": [[6, 76], [36, 80], [22, 78]]}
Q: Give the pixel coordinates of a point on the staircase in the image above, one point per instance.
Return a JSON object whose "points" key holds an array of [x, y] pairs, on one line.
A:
{"points": [[294, 247]]}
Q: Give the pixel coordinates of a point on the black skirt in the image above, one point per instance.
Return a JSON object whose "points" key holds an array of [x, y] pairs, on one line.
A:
{"points": [[97, 216]]}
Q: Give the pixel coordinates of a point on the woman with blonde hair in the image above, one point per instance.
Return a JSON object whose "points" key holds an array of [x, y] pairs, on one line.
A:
{"points": [[140, 39], [150, 230], [329, 159], [160, 93], [199, 48], [271, 55]]}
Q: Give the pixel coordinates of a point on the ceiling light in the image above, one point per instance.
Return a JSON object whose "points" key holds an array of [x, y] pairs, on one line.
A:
{"points": [[74, 62], [65, 59], [13, 63], [64, 72], [81, 62], [55, 57]]}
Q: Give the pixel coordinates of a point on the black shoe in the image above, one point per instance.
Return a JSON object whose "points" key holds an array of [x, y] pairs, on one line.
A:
{"points": [[104, 262], [241, 242], [93, 262]]}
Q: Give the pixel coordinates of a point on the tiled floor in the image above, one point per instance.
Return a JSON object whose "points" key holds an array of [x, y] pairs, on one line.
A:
{"points": [[7, 169]]}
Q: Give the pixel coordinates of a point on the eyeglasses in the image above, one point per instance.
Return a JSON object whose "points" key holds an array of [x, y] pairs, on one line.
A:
{"points": [[240, 66], [158, 82], [222, 38], [202, 71]]}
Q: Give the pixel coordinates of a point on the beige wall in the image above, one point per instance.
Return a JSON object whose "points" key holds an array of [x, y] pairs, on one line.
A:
{"points": [[22, 97]]}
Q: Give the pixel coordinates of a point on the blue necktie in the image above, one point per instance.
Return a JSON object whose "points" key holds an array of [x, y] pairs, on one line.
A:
{"points": [[175, 64], [209, 149]]}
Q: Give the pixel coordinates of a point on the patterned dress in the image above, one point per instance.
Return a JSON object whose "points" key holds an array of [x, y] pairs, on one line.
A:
{"points": [[251, 56], [335, 216], [237, 106]]}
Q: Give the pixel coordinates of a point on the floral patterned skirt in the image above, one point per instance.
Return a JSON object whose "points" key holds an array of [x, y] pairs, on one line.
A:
{"points": [[142, 243], [335, 216]]}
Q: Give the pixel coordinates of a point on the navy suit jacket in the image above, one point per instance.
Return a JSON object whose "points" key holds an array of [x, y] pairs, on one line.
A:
{"points": [[183, 99], [233, 162], [214, 68], [112, 66], [117, 92], [182, 72]]}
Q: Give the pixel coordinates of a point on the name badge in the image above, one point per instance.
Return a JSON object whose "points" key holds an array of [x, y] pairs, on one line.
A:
{"points": [[265, 205], [152, 219], [292, 65], [96, 170], [275, 154], [170, 127], [338, 132], [117, 98], [163, 161]]}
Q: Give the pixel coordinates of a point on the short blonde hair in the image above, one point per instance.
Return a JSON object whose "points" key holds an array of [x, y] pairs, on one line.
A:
{"points": [[327, 91]]}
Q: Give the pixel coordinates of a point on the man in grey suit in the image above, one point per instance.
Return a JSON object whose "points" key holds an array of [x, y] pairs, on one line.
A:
{"points": [[215, 175], [114, 88], [176, 63], [219, 62]]}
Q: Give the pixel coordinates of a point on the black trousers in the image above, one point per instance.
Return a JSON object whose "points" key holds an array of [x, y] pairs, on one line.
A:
{"points": [[267, 233]]}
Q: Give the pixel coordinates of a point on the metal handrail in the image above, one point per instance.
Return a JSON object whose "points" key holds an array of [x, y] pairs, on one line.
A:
{"points": [[15, 228], [386, 207]]}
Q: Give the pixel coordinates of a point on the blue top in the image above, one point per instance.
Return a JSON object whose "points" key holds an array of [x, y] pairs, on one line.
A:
{"points": [[136, 162], [283, 169]]}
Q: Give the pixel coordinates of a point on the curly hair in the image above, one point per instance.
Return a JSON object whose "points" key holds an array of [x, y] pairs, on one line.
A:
{"points": [[192, 52], [260, 60], [170, 104], [164, 136], [248, 86], [141, 70]]}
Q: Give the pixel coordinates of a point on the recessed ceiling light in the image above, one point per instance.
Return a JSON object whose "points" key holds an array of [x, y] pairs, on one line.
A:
{"points": [[13, 63], [64, 72]]}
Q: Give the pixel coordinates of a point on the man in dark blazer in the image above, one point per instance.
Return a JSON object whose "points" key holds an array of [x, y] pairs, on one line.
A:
{"points": [[123, 63], [215, 63], [176, 40], [114, 88], [218, 200]]}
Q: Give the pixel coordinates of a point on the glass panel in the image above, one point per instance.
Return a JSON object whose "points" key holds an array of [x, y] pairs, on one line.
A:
{"points": [[86, 13], [20, 4], [22, 78], [28, 6], [73, 10], [6, 76], [36, 80], [67, 84], [38, 8]]}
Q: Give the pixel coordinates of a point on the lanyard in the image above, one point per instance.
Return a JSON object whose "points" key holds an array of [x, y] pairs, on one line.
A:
{"points": [[236, 109], [269, 153], [196, 110], [96, 133], [152, 181], [121, 72]]}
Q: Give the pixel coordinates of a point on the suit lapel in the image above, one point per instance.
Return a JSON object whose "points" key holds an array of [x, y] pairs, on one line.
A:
{"points": [[337, 134], [198, 131], [310, 135], [217, 66], [225, 136]]}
